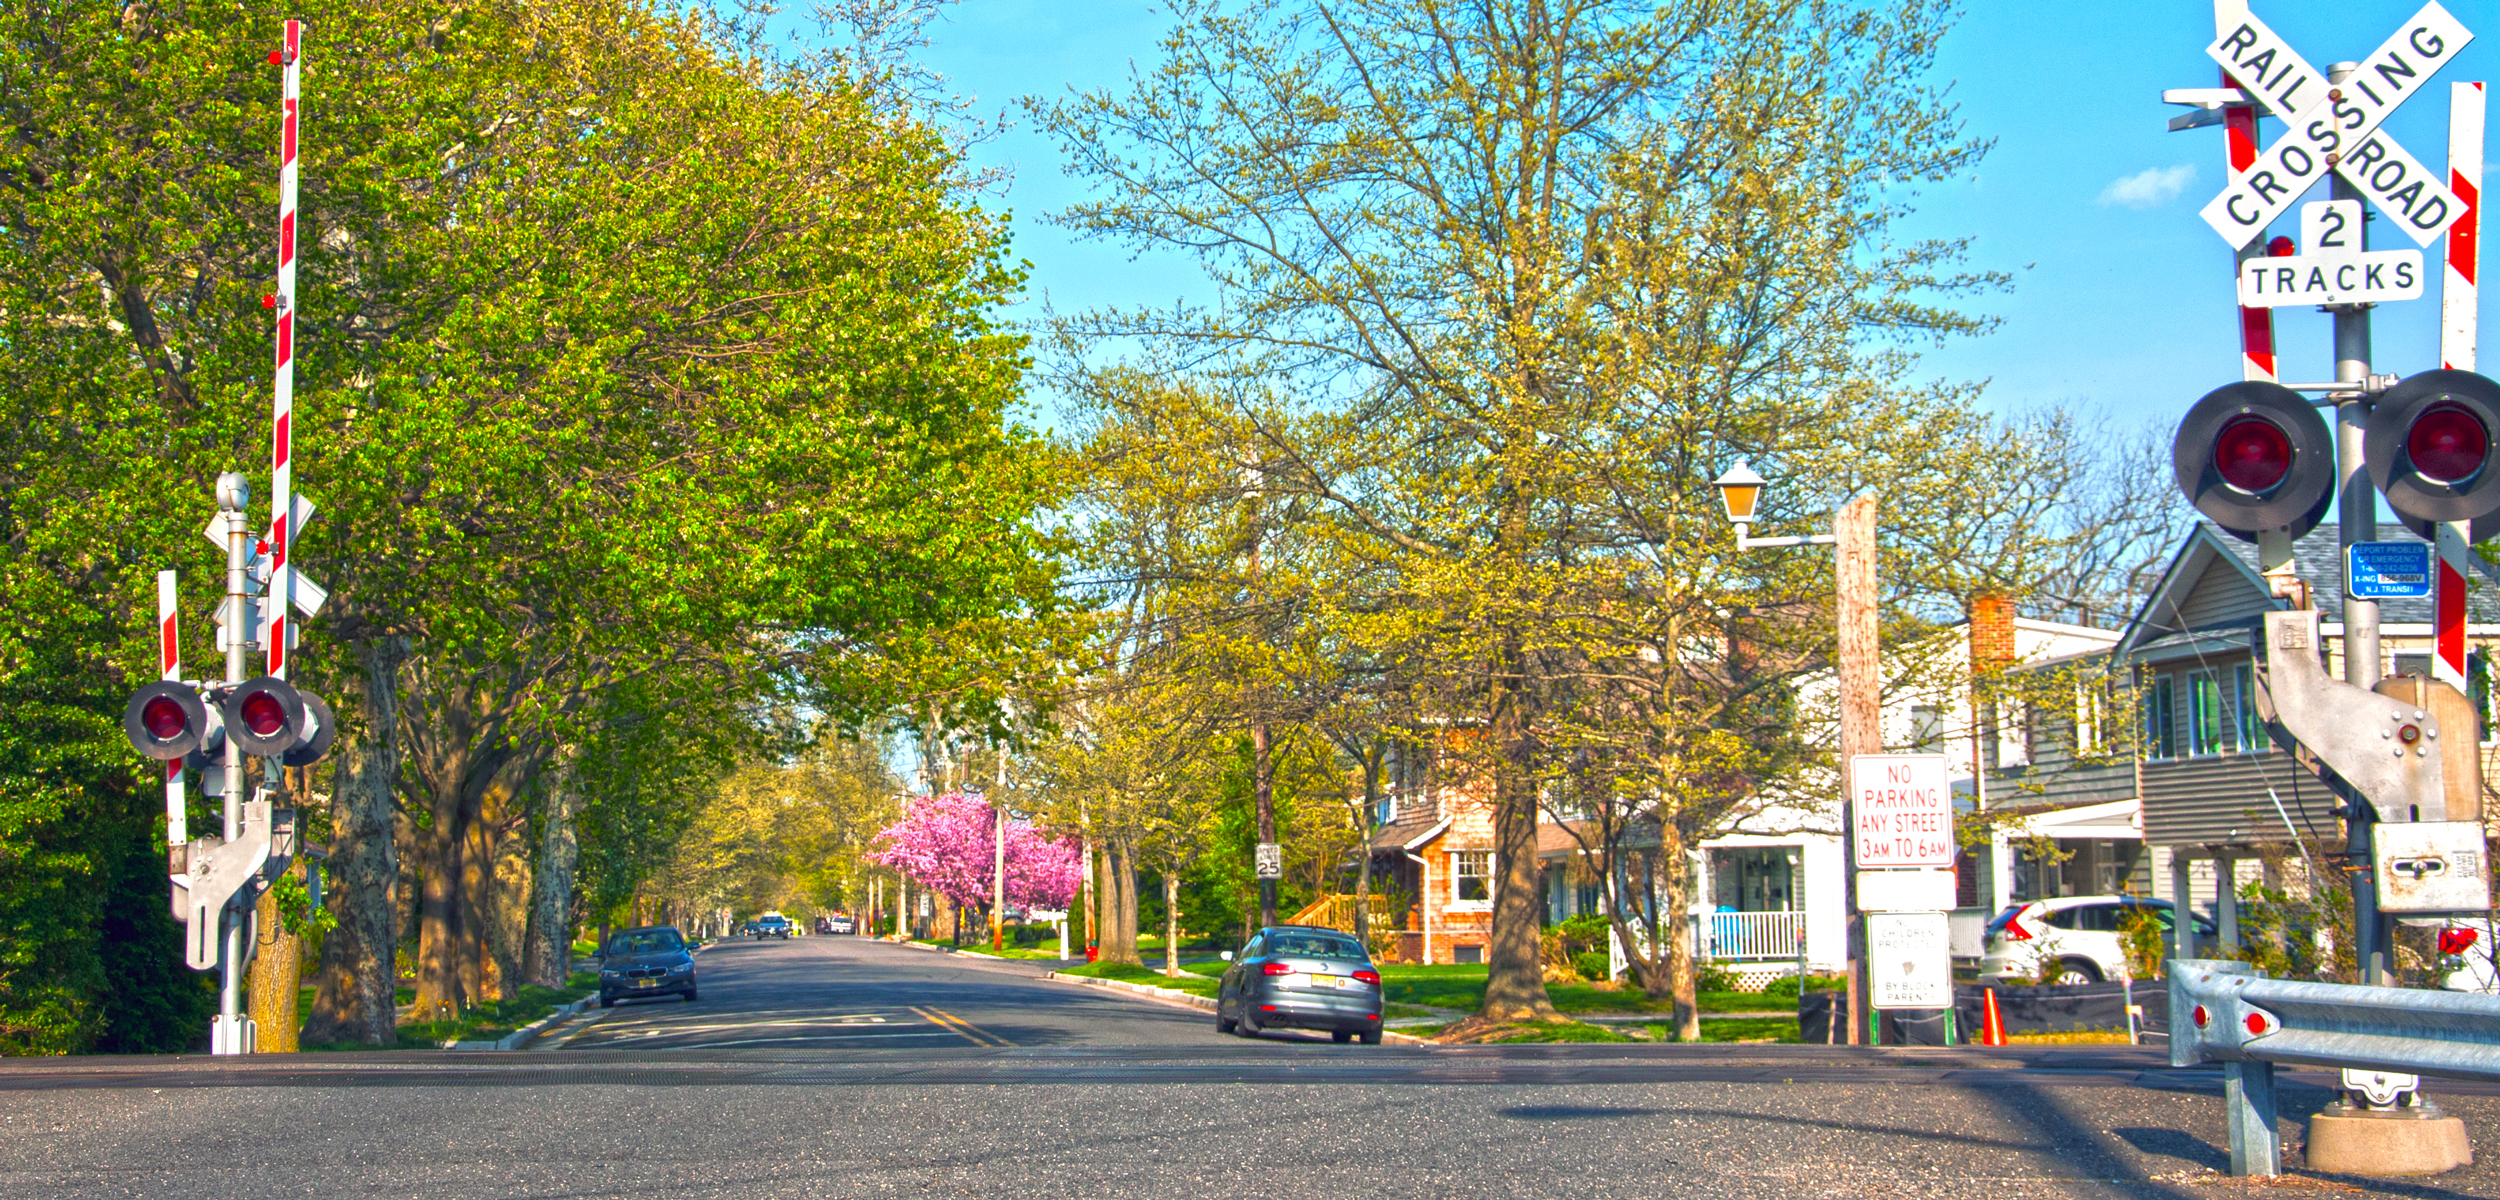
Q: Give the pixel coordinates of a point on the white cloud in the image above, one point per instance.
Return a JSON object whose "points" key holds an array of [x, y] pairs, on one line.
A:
{"points": [[2148, 188]]}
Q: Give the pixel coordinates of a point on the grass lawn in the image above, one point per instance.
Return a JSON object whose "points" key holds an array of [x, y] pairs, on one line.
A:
{"points": [[1443, 985], [1196, 980], [1573, 1032], [1737, 1029], [483, 1023], [2071, 1037]]}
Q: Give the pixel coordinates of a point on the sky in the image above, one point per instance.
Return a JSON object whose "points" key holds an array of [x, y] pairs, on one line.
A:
{"points": [[2122, 298]]}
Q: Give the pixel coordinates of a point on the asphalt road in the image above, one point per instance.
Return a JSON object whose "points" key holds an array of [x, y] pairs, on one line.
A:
{"points": [[855, 993], [983, 1080]]}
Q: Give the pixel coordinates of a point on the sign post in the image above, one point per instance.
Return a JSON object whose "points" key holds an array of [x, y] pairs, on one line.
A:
{"points": [[1901, 838]]}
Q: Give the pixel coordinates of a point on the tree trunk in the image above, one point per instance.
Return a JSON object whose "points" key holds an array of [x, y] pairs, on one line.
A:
{"points": [[1675, 897], [548, 956], [277, 971], [481, 979], [438, 916], [1363, 868], [1515, 975], [1119, 934], [1172, 923], [356, 994]]}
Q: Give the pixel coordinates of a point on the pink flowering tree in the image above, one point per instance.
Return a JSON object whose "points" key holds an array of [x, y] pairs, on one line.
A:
{"points": [[946, 843]]}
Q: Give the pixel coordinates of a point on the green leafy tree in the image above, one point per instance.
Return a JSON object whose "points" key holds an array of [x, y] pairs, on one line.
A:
{"points": [[1533, 271]]}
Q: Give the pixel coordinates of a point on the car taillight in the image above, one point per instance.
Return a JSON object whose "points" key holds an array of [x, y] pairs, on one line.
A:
{"points": [[1373, 977], [1274, 969]]}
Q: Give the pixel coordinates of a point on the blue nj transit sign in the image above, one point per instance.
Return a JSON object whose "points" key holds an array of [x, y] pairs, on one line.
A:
{"points": [[2387, 570]]}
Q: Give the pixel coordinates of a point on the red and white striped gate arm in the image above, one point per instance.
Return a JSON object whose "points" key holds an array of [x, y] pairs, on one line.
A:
{"points": [[2457, 335], [282, 397], [2239, 139], [2239, 135], [169, 667]]}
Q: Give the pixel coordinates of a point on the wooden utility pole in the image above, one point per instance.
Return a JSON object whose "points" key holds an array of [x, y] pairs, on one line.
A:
{"points": [[1861, 683], [1263, 785]]}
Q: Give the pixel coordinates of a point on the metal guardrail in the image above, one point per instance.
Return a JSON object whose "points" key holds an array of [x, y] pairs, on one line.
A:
{"points": [[2226, 1012], [2248, 1018]]}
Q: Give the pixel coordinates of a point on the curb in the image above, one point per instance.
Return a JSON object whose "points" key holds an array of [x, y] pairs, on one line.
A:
{"points": [[527, 1033], [1202, 1003]]}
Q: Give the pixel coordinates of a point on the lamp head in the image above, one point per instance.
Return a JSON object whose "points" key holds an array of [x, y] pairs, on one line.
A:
{"points": [[1741, 490]]}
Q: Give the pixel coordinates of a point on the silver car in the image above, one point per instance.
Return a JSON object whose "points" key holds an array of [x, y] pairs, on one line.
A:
{"points": [[1301, 977]]}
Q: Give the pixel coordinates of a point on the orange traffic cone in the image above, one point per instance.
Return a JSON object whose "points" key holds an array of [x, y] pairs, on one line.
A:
{"points": [[1991, 1026]]}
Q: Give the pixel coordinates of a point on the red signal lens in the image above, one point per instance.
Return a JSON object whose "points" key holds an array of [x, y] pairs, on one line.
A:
{"points": [[2447, 444], [163, 719], [263, 715], [2256, 1023], [2455, 940], [1373, 977], [2253, 454], [2202, 1017]]}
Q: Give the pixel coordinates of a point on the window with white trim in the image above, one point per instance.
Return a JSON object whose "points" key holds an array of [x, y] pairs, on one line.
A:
{"points": [[1471, 878]]}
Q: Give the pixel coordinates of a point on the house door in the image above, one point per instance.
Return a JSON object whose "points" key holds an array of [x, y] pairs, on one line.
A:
{"points": [[1758, 880]]}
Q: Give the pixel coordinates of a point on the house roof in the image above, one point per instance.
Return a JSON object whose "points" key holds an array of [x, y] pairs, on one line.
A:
{"points": [[2317, 556], [1408, 834]]}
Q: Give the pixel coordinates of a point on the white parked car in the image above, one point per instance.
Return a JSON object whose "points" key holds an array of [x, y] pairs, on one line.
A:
{"points": [[2078, 934]]}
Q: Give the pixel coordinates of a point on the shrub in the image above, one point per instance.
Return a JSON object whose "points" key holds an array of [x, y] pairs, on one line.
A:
{"points": [[1711, 977], [1591, 964]]}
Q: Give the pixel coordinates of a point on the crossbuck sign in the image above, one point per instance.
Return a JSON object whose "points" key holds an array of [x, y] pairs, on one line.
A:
{"points": [[2335, 127]]}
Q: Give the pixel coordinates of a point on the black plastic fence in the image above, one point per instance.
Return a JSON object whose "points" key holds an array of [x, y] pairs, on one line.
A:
{"points": [[2025, 1009]]}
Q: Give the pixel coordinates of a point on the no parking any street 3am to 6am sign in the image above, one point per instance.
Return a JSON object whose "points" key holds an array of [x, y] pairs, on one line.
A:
{"points": [[1901, 810]]}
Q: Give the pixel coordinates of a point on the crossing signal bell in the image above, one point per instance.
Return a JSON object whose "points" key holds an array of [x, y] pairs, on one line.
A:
{"points": [[2256, 457], [2429, 447]]}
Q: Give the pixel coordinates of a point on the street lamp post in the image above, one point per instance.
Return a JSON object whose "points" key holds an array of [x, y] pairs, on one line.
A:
{"points": [[1853, 533]]}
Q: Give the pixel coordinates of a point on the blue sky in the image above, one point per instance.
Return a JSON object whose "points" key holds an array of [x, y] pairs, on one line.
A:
{"points": [[2121, 303]]}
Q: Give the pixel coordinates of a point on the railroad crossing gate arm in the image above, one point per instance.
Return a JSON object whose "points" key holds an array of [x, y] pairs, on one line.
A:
{"points": [[2388, 751]]}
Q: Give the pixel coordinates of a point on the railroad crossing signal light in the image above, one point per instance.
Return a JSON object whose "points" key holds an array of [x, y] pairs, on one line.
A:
{"points": [[2255, 456], [165, 720], [318, 729], [2429, 446], [265, 716]]}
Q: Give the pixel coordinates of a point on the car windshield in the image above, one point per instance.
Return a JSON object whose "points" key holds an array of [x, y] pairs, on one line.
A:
{"points": [[1313, 945], [653, 941]]}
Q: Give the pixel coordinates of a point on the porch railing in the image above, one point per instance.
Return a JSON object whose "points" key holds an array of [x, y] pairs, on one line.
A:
{"points": [[1748, 935]]}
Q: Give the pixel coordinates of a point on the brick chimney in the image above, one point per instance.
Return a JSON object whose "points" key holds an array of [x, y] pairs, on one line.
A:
{"points": [[1991, 633]]}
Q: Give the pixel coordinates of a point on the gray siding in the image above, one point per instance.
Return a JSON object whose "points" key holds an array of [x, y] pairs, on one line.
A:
{"points": [[2222, 798], [2064, 786], [2222, 597]]}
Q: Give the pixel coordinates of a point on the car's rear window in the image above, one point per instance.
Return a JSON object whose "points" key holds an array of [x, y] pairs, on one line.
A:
{"points": [[1997, 923], [651, 942], [1313, 945]]}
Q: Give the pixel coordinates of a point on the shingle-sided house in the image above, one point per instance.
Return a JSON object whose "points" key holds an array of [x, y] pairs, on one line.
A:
{"points": [[2217, 796]]}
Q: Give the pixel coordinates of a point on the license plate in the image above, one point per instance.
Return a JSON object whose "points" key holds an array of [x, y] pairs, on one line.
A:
{"points": [[646, 983], [1326, 981]]}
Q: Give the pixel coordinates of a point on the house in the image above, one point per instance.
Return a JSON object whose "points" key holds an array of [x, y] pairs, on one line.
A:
{"points": [[1771, 879], [2218, 798], [1433, 847]]}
